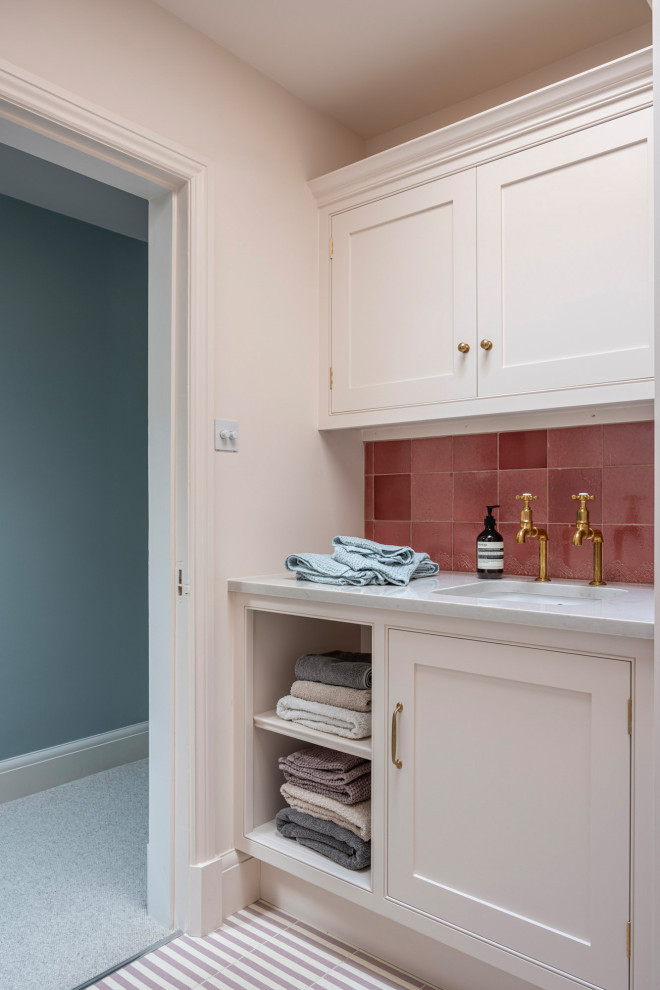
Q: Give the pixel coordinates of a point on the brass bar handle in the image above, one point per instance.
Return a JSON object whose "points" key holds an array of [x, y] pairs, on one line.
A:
{"points": [[399, 708], [463, 347]]}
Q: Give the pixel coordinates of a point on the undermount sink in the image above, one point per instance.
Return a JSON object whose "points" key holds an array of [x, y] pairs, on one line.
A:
{"points": [[525, 592]]}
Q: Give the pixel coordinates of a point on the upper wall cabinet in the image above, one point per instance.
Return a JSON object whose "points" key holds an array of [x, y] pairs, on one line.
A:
{"points": [[564, 237], [403, 297], [503, 264]]}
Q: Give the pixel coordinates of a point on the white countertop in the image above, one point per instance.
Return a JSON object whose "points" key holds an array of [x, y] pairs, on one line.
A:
{"points": [[630, 614]]}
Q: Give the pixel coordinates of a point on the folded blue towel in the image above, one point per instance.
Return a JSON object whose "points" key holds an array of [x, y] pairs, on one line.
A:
{"points": [[382, 552], [360, 562]]}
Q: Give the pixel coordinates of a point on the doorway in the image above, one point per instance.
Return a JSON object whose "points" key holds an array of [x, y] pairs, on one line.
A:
{"points": [[53, 127]]}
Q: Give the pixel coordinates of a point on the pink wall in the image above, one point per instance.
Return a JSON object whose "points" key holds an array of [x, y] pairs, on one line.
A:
{"points": [[137, 60], [432, 494]]}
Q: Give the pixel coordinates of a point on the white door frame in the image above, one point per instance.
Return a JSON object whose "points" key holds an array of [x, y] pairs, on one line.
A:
{"points": [[96, 142]]}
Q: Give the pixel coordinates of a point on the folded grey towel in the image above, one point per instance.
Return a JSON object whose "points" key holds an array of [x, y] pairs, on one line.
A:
{"points": [[341, 776], [338, 844], [339, 667], [355, 817], [359, 562], [357, 700], [326, 718]]}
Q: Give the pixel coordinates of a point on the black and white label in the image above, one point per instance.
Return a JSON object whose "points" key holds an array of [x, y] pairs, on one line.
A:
{"points": [[490, 556]]}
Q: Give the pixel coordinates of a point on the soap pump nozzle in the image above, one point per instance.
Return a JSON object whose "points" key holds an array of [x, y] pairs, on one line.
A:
{"points": [[490, 519]]}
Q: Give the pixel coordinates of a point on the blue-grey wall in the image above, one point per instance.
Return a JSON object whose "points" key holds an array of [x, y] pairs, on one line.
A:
{"points": [[73, 479]]}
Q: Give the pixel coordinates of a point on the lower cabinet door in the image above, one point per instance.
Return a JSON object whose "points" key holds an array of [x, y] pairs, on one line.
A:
{"points": [[509, 815]]}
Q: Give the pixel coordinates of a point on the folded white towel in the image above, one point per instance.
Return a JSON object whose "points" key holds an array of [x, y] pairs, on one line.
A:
{"points": [[356, 817], [325, 718]]}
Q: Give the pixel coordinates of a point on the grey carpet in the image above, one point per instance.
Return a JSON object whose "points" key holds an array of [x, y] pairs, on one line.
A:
{"points": [[73, 880]]}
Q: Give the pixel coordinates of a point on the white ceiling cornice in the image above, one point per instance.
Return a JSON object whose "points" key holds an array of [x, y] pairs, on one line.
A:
{"points": [[622, 85]]}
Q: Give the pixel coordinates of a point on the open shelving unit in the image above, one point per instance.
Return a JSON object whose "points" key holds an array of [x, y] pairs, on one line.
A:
{"points": [[274, 642], [273, 723]]}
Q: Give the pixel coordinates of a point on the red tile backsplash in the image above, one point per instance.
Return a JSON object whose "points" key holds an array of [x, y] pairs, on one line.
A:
{"points": [[432, 494], [473, 491], [431, 497], [524, 449], [576, 446], [435, 539], [476, 453], [392, 496], [431, 454], [392, 457], [628, 494], [628, 443]]}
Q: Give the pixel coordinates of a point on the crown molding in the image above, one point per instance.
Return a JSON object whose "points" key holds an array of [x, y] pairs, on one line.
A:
{"points": [[611, 89]]}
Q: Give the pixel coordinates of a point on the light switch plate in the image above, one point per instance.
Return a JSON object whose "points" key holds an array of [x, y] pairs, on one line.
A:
{"points": [[226, 434]]}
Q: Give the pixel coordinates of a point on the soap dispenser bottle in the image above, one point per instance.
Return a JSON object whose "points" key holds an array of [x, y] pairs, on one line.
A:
{"points": [[490, 548]]}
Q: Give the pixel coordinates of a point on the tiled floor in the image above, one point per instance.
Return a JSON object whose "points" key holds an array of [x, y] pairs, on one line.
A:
{"points": [[260, 948]]}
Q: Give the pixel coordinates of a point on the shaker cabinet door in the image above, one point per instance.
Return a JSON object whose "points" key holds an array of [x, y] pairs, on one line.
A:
{"points": [[564, 241], [509, 816], [403, 297]]}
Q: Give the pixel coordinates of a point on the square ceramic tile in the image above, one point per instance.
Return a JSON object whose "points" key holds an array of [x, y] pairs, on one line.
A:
{"points": [[392, 496], [394, 533], [435, 539], [523, 449], [363, 972], [431, 497], [431, 454], [628, 494], [391, 456], [628, 443], [473, 491], [477, 452], [575, 446], [628, 554]]}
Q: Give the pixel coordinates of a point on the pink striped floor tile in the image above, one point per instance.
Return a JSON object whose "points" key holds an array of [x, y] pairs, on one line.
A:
{"points": [[260, 948]]}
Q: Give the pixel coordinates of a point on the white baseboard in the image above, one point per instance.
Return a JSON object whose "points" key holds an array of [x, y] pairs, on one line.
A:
{"points": [[220, 887], [32, 772]]}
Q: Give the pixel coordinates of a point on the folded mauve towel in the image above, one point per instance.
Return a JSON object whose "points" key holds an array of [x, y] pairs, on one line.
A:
{"points": [[332, 694], [338, 667], [325, 718], [327, 838], [355, 817], [344, 777], [359, 562]]}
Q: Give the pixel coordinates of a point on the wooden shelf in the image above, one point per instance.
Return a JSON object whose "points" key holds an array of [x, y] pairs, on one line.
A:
{"points": [[273, 723], [269, 839]]}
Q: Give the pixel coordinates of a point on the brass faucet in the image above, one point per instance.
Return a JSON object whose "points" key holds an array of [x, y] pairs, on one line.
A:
{"points": [[527, 528], [583, 531]]}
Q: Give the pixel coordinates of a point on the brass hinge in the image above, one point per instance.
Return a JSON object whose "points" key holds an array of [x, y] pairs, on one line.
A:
{"points": [[331, 247], [179, 582], [628, 940], [330, 377], [630, 716]]}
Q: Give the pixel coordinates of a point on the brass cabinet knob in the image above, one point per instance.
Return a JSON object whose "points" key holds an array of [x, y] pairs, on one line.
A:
{"points": [[463, 347], [485, 344]]}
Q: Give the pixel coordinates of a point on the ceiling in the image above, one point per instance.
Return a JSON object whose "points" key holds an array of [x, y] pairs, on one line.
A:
{"points": [[377, 64]]}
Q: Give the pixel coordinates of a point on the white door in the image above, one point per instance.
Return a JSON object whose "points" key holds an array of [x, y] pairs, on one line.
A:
{"points": [[564, 241], [509, 817], [404, 297]]}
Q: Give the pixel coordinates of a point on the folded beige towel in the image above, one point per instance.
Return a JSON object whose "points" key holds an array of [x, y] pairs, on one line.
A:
{"points": [[355, 817], [332, 694]]}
